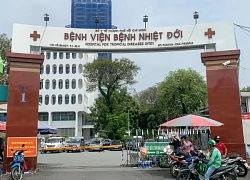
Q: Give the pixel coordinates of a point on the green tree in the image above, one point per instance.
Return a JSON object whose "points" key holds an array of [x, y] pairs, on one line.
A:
{"points": [[148, 98], [182, 92], [245, 89], [108, 76], [151, 113], [116, 126], [123, 104], [5, 46]]}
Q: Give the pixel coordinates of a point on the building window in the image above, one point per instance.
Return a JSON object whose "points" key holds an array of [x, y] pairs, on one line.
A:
{"points": [[80, 55], [41, 69], [47, 69], [53, 100], [43, 116], [79, 83], [73, 84], [66, 84], [73, 68], [61, 55], [66, 99], [54, 55], [79, 99], [54, 84], [54, 69], [41, 99], [63, 116], [70, 132], [60, 69], [41, 84], [47, 99], [48, 54], [60, 84], [80, 68], [60, 99], [47, 84], [67, 55], [67, 69], [73, 55], [73, 99]]}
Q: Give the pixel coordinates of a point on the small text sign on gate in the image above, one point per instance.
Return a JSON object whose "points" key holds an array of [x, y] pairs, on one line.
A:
{"points": [[156, 148]]}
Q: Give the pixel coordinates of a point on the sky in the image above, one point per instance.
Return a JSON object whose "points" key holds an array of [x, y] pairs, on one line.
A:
{"points": [[129, 14]]}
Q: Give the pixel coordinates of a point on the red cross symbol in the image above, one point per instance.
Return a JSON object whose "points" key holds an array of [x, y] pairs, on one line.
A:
{"points": [[35, 36], [209, 33]]}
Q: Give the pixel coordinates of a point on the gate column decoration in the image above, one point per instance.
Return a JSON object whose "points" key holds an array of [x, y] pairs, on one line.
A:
{"points": [[22, 116], [224, 97]]}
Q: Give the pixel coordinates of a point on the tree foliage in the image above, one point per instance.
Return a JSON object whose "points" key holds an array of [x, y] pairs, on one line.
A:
{"points": [[182, 92], [108, 76], [5, 46], [245, 89], [124, 107]]}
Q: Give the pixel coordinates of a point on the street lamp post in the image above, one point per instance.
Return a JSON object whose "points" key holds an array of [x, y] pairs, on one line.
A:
{"points": [[145, 20], [196, 16], [97, 21], [46, 19], [128, 124]]}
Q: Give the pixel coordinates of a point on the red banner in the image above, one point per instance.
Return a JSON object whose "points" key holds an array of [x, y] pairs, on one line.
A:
{"points": [[246, 116]]}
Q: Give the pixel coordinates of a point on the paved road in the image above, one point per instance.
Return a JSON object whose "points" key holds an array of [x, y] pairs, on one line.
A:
{"points": [[92, 166], [121, 173], [83, 159]]}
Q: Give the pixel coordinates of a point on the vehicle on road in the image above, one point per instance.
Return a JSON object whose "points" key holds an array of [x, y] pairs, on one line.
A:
{"points": [[150, 140], [75, 145], [18, 164], [87, 142], [116, 145], [95, 145], [55, 144], [242, 166], [137, 143], [106, 142], [198, 168]]}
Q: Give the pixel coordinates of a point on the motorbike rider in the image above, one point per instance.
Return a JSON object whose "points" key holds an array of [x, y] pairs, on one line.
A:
{"points": [[176, 142], [221, 146], [186, 147], [215, 159]]}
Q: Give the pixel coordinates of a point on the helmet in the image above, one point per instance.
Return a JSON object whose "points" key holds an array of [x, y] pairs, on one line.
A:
{"points": [[217, 138], [211, 142]]}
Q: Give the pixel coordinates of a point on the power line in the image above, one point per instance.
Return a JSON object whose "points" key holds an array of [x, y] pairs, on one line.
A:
{"points": [[244, 68], [242, 26]]}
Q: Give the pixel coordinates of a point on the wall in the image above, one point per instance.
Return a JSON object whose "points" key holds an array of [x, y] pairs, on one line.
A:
{"points": [[246, 127]]}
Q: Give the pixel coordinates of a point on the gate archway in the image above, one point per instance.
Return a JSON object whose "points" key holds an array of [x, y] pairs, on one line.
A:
{"points": [[217, 40]]}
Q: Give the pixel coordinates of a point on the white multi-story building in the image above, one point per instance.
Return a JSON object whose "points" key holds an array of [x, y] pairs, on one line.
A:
{"points": [[64, 102]]}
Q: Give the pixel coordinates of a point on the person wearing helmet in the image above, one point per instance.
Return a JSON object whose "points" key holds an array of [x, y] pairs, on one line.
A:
{"points": [[221, 146], [215, 159]]}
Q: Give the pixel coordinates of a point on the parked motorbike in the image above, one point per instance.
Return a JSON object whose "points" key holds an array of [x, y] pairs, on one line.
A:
{"points": [[179, 163], [18, 164], [198, 168], [242, 164]]}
